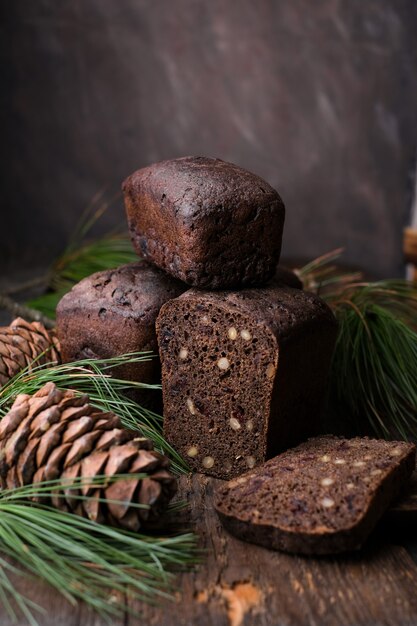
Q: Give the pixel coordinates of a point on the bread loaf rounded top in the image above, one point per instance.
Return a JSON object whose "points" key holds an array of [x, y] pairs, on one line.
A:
{"points": [[209, 223], [136, 290], [194, 185]]}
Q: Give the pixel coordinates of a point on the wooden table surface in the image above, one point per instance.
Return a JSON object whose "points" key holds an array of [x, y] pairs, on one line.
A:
{"points": [[238, 584]]}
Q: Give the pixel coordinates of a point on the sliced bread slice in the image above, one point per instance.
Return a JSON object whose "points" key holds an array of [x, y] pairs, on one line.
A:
{"points": [[322, 497]]}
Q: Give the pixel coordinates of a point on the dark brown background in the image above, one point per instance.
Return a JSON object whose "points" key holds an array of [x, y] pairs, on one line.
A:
{"points": [[318, 97]]}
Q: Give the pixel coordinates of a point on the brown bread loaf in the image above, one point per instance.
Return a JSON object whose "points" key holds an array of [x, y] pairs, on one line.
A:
{"points": [[323, 497], [112, 313], [209, 223], [243, 373]]}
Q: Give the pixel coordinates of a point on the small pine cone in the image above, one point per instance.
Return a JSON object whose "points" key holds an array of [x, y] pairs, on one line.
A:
{"points": [[25, 344], [58, 435]]}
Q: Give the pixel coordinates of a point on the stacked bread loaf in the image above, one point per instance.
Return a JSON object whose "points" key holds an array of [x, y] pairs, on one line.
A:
{"points": [[113, 312], [244, 352]]}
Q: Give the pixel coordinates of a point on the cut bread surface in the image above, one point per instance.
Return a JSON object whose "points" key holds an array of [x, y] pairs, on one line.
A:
{"points": [[243, 374], [324, 496]]}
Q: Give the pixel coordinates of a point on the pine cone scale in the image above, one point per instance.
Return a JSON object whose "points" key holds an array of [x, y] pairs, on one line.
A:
{"points": [[149, 493], [54, 464], [43, 421], [26, 463], [81, 447], [92, 507], [78, 427], [49, 441], [12, 479], [110, 421], [145, 463], [15, 445], [39, 477], [92, 465], [120, 458], [111, 438], [72, 413], [71, 400], [120, 495], [43, 402], [4, 348], [11, 421], [67, 479], [9, 366]]}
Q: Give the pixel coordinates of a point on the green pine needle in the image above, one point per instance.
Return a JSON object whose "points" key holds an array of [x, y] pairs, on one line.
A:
{"points": [[107, 253], [374, 369], [106, 392], [81, 559]]}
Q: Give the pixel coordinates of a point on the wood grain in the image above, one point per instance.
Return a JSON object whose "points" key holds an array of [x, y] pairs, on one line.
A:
{"points": [[376, 586], [239, 584]]}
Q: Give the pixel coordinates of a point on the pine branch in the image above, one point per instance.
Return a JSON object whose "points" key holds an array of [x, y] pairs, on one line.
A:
{"points": [[83, 560], [324, 277], [38, 281], [374, 366]]}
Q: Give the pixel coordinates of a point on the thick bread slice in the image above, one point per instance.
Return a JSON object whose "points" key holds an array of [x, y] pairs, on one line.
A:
{"points": [[322, 497], [244, 374]]}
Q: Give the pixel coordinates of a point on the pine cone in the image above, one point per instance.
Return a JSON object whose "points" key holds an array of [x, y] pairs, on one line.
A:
{"points": [[23, 344], [58, 435]]}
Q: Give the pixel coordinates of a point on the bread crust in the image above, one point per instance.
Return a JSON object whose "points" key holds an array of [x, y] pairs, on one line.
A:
{"points": [[206, 222], [113, 312], [346, 524]]}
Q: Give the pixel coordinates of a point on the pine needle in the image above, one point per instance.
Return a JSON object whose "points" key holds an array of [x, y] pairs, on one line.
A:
{"points": [[374, 369], [83, 560], [106, 392]]}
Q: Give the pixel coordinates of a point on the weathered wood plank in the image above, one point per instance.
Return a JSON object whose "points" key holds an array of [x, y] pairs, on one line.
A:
{"points": [[240, 583], [56, 611]]}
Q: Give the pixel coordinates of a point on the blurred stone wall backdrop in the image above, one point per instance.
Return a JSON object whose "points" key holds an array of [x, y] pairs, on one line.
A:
{"points": [[320, 98]]}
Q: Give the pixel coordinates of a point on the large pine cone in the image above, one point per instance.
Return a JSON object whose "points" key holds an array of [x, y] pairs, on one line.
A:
{"points": [[24, 344], [58, 435]]}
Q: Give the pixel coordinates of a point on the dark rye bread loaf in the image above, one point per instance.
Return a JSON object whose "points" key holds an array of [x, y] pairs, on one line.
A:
{"points": [[112, 313], [323, 497], [243, 373], [209, 223]]}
